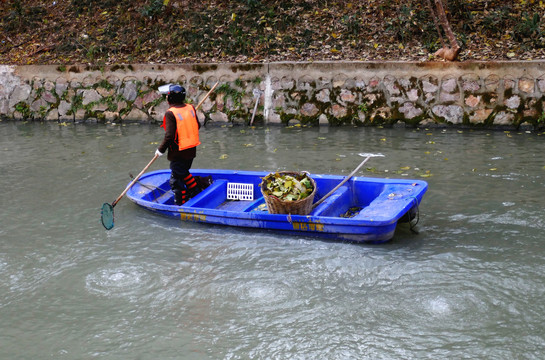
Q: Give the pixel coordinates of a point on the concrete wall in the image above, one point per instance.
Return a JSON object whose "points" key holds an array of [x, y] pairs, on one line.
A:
{"points": [[478, 94]]}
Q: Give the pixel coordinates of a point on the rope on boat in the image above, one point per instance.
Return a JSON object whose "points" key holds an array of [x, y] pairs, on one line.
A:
{"points": [[412, 224], [149, 187]]}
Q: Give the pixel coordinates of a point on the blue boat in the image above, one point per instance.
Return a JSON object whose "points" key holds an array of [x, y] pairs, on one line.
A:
{"points": [[361, 210]]}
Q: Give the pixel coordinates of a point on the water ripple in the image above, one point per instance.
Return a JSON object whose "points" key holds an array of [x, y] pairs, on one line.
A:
{"points": [[123, 281]]}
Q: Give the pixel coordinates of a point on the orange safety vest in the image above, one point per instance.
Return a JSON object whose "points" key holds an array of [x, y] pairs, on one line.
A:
{"points": [[187, 128]]}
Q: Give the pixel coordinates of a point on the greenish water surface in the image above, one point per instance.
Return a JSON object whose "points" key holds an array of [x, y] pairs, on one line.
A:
{"points": [[469, 285]]}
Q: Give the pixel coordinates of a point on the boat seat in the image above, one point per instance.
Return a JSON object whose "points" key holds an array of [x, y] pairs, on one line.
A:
{"points": [[394, 199], [332, 204], [254, 204]]}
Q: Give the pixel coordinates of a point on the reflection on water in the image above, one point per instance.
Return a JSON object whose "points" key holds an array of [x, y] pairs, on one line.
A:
{"points": [[469, 285]]}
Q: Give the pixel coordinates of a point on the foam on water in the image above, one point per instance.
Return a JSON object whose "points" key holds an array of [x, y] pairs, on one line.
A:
{"points": [[439, 306], [125, 280]]}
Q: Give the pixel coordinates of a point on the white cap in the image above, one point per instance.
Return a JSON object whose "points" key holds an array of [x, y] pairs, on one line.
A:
{"points": [[163, 89]]}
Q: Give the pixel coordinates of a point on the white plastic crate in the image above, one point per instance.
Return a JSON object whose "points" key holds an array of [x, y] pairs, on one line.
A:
{"points": [[239, 191]]}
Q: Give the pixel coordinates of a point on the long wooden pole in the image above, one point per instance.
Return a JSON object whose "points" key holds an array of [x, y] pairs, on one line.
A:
{"points": [[207, 94], [341, 183], [135, 180]]}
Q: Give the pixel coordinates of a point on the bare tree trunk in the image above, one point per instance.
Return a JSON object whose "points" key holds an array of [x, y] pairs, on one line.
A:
{"points": [[439, 15], [436, 22]]}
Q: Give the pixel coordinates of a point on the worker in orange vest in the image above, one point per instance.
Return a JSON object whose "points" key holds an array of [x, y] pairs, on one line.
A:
{"points": [[181, 139]]}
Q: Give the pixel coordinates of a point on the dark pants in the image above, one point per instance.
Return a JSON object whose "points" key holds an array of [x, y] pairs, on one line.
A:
{"points": [[179, 171]]}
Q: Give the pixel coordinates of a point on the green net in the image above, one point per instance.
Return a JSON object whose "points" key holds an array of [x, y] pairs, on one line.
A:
{"points": [[107, 216]]}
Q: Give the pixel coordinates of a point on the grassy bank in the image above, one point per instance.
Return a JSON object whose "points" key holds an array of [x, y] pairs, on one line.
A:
{"points": [[178, 31]]}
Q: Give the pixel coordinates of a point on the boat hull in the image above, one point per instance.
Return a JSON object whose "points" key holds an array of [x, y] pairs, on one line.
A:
{"points": [[380, 204]]}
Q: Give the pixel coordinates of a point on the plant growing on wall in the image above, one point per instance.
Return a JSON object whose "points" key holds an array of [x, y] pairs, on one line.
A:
{"points": [[232, 93], [76, 103], [24, 109], [541, 119], [363, 107]]}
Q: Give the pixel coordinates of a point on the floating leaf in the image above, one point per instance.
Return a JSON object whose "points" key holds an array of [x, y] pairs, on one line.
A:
{"points": [[353, 211], [224, 156]]}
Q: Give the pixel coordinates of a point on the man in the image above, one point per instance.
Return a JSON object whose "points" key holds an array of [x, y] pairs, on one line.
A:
{"points": [[181, 139]]}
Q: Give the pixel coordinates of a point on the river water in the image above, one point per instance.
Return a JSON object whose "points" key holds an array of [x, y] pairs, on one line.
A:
{"points": [[470, 284]]}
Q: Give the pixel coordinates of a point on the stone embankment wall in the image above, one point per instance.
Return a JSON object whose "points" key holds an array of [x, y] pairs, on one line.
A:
{"points": [[473, 94]]}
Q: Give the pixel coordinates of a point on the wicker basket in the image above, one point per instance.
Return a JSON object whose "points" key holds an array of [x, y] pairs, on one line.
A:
{"points": [[298, 207]]}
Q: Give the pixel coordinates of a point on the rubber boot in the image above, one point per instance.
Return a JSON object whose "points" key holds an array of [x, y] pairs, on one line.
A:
{"points": [[180, 197], [191, 184], [178, 188]]}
